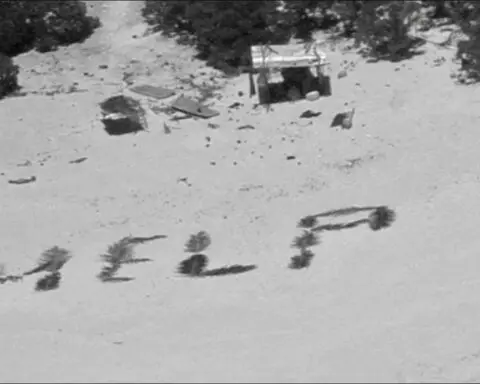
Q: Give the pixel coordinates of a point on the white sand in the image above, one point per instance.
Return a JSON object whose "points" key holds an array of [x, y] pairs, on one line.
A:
{"points": [[398, 305]]}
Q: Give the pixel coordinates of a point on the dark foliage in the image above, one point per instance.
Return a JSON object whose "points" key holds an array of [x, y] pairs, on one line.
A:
{"points": [[130, 117], [44, 25], [8, 76], [222, 31]]}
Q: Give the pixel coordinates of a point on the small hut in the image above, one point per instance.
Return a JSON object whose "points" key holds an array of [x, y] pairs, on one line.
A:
{"points": [[302, 70]]}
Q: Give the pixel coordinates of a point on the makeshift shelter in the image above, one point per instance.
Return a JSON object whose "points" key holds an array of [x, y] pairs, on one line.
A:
{"points": [[295, 63], [122, 115]]}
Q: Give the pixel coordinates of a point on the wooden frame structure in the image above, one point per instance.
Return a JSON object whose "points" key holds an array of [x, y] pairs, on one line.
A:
{"points": [[266, 58]]}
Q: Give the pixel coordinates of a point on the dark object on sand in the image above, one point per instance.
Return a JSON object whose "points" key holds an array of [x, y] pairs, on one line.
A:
{"points": [[78, 161], [347, 122], [344, 119], [122, 115], [191, 107], [301, 261], [23, 180], [309, 114], [229, 270], [155, 92], [121, 126], [49, 282], [325, 86], [247, 126]]}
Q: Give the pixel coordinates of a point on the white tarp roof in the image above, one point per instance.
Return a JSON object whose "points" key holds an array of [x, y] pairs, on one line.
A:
{"points": [[286, 56]]}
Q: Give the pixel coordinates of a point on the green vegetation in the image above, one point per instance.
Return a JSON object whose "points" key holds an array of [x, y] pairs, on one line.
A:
{"points": [[40, 25], [222, 31]]}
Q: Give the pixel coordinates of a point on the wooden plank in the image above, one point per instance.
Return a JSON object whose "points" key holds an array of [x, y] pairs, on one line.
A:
{"points": [[193, 108], [156, 92]]}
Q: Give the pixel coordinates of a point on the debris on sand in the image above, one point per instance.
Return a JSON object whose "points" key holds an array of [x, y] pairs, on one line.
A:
{"points": [[23, 180], [26, 163], [213, 126], [193, 108], [166, 129], [155, 92], [343, 119], [78, 161], [308, 114], [247, 126], [235, 105]]}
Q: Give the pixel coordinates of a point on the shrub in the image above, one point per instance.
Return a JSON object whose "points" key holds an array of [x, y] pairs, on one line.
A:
{"points": [[43, 24], [223, 30], [8, 76], [64, 23], [306, 16], [467, 16]]}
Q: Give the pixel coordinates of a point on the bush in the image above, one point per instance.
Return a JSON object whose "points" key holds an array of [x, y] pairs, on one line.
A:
{"points": [[467, 16], [384, 27], [169, 17], [8, 76], [65, 23], [222, 31], [43, 24]]}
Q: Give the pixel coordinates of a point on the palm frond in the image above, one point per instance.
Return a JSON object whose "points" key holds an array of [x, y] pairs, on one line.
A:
{"points": [[382, 217], [108, 271], [307, 222], [198, 243], [119, 252], [49, 282], [54, 258], [301, 261], [305, 240]]}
